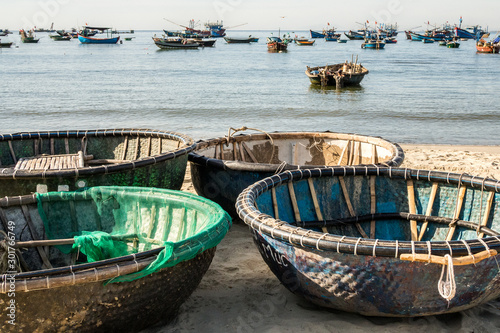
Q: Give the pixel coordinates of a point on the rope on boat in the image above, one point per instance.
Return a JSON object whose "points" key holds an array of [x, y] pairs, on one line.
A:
{"points": [[447, 288], [244, 128]]}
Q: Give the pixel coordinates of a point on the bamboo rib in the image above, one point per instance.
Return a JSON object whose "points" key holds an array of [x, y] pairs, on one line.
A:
{"points": [[293, 198], [486, 216], [458, 209], [148, 151], [52, 148], [373, 205], [351, 153], [355, 153], [12, 153], [423, 228], [137, 148], [66, 145], [275, 203], [412, 209], [31, 228], [242, 152], [319, 215], [235, 151], [350, 207], [374, 154], [249, 152], [125, 147], [343, 153]]}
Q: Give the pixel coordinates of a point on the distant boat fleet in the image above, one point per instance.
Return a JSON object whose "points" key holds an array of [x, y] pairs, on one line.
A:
{"points": [[192, 37]]}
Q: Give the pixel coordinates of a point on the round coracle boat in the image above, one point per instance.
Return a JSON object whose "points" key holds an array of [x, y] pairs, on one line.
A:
{"points": [[103, 259], [222, 168], [69, 160], [379, 241]]}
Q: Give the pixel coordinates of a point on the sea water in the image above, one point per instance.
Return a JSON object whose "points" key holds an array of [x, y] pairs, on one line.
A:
{"points": [[414, 93]]}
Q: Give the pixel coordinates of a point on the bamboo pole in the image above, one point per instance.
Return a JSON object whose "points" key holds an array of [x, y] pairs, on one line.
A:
{"points": [[350, 207], [235, 151], [242, 152], [66, 145], [374, 154], [460, 261], [148, 151], [52, 147], [32, 230], [249, 152], [432, 197], [413, 210], [458, 208], [12, 153], [137, 148], [486, 216]]}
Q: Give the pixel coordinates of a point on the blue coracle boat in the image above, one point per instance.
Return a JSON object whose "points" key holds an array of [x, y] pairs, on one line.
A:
{"points": [[379, 241]]}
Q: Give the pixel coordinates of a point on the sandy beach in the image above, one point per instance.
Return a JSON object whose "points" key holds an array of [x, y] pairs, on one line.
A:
{"points": [[240, 294]]}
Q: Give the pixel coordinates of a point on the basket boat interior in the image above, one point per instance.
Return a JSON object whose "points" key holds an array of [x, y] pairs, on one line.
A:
{"points": [[304, 149], [136, 219], [384, 208], [77, 149]]}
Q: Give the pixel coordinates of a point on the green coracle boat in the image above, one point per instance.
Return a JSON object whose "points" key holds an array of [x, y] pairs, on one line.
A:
{"points": [[69, 160], [105, 259]]}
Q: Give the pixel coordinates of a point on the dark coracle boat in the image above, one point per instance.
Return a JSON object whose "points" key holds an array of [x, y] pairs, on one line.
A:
{"points": [[223, 167], [105, 259], [46, 161], [379, 241], [339, 75]]}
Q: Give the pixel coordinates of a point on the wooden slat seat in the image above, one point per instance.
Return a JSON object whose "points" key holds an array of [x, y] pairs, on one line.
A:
{"points": [[52, 162]]}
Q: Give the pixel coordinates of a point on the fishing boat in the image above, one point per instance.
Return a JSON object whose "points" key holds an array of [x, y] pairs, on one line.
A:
{"points": [[175, 43], [5, 44], [59, 37], [379, 241], [339, 75], [387, 30], [442, 43], [428, 41], [48, 160], [356, 35], [469, 33], [239, 40], [332, 38], [304, 42], [28, 37], [390, 40], [86, 36], [453, 44], [104, 259], [483, 46], [203, 42], [341, 40], [276, 44], [373, 44], [221, 168]]}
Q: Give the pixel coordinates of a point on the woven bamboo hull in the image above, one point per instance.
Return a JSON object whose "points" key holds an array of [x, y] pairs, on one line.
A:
{"points": [[128, 158], [342, 269], [118, 307], [221, 177]]}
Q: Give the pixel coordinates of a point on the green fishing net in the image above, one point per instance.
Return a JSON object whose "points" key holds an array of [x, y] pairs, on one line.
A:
{"points": [[110, 222]]}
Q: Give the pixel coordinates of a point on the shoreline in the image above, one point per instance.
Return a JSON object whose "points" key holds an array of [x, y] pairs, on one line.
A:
{"points": [[239, 293]]}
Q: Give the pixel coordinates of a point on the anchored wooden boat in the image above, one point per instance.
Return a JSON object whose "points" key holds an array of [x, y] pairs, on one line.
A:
{"points": [[175, 43], [236, 40], [44, 161], [483, 46], [28, 37], [379, 241], [304, 42], [339, 75], [105, 259], [223, 167], [5, 44], [373, 44], [86, 36], [276, 44], [453, 45], [60, 37]]}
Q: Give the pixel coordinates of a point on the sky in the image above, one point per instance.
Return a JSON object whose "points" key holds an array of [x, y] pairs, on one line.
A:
{"points": [[246, 14]]}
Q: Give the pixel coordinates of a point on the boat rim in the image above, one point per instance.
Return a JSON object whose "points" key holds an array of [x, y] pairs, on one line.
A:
{"points": [[193, 157], [187, 147], [296, 236]]}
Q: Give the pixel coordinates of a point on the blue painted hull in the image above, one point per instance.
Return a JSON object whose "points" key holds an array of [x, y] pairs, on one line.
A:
{"points": [[92, 40], [315, 34], [461, 33], [373, 45]]}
